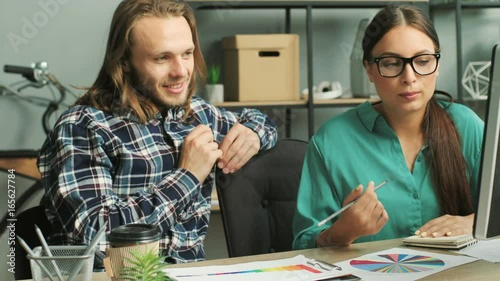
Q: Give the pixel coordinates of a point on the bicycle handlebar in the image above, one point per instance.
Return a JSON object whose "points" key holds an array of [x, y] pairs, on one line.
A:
{"points": [[17, 69], [40, 76], [29, 73]]}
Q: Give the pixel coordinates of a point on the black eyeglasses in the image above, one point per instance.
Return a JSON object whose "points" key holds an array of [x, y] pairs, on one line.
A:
{"points": [[392, 66]]}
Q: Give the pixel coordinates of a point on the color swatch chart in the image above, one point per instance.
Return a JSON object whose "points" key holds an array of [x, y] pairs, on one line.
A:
{"points": [[271, 269], [401, 263], [397, 263], [295, 268]]}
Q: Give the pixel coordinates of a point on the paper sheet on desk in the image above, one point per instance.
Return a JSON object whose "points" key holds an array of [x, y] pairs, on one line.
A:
{"points": [[398, 264], [488, 250], [295, 268]]}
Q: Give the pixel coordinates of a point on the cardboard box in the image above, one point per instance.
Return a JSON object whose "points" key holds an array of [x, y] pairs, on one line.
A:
{"points": [[262, 67]]}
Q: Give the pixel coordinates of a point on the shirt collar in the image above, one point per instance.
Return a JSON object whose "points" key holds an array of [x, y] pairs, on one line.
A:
{"points": [[128, 114], [368, 115], [171, 115]]}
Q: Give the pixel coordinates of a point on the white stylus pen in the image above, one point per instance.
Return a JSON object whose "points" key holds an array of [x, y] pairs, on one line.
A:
{"points": [[348, 206]]}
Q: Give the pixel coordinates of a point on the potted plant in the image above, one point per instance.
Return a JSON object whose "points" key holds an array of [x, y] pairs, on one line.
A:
{"points": [[147, 266], [215, 90]]}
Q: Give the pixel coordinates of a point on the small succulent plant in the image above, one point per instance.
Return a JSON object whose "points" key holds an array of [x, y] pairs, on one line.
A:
{"points": [[213, 75], [147, 266]]}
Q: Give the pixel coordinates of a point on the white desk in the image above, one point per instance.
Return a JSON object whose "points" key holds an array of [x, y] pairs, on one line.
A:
{"points": [[478, 270]]}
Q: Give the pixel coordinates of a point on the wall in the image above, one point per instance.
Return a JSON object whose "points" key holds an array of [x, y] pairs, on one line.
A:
{"points": [[480, 31], [70, 35]]}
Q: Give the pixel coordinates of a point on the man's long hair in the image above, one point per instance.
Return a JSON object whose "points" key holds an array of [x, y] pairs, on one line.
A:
{"points": [[113, 89]]}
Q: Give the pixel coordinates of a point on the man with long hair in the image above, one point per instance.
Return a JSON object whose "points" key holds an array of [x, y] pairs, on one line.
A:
{"points": [[139, 146]]}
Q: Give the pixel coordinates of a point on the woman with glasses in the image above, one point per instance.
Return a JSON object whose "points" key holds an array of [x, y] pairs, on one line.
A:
{"points": [[425, 146]]}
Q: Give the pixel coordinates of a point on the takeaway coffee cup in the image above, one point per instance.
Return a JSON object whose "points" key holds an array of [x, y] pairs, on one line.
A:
{"points": [[124, 240]]}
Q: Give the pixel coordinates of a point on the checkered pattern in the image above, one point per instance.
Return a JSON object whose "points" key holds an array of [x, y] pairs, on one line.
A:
{"points": [[107, 169]]}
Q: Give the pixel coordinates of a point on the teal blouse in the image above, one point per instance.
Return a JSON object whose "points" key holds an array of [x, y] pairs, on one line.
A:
{"points": [[358, 146]]}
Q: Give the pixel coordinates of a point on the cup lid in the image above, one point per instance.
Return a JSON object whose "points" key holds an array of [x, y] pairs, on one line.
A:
{"points": [[139, 232]]}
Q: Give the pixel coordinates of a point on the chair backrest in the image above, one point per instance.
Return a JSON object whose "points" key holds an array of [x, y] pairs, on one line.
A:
{"points": [[258, 202], [25, 228]]}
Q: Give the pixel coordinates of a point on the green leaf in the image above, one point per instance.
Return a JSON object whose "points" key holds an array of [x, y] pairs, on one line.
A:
{"points": [[146, 266], [213, 75]]}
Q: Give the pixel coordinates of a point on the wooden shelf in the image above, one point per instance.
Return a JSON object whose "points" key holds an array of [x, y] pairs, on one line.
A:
{"points": [[22, 161], [288, 105], [295, 103], [343, 101], [233, 104]]}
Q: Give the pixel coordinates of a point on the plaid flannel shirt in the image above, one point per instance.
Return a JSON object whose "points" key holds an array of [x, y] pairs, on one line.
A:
{"points": [[108, 169]]}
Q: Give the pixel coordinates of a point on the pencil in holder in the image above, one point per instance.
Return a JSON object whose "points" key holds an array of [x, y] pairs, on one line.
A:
{"points": [[62, 263]]}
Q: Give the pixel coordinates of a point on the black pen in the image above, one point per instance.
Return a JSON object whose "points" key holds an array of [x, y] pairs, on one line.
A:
{"points": [[347, 206]]}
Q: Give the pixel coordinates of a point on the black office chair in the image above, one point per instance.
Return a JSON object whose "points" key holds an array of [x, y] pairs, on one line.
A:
{"points": [[258, 202], [25, 228]]}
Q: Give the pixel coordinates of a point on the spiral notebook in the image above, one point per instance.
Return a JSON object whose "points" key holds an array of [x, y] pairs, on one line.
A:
{"points": [[445, 242]]}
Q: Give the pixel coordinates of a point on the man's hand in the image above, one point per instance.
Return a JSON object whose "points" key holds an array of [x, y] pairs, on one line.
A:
{"points": [[239, 145], [199, 152], [447, 225]]}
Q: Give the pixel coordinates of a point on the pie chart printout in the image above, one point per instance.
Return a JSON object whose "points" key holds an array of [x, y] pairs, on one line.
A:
{"points": [[397, 263]]}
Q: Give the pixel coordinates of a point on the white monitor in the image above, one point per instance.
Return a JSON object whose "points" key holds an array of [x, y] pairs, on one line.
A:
{"points": [[487, 220]]}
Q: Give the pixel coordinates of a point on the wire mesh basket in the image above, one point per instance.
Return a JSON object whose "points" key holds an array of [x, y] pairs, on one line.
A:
{"points": [[68, 263]]}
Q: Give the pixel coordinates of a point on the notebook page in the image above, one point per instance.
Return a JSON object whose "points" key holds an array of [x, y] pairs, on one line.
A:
{"points": [[488, 250]]}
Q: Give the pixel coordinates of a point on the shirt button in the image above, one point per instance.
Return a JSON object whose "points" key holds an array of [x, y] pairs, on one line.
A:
{"points": [[418, 159], [415, 195]]}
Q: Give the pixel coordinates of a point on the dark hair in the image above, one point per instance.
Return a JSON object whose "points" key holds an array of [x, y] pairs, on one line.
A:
{"points": [[449, 171], [113, 88]]}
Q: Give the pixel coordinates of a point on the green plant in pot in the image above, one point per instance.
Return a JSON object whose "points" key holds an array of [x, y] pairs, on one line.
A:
{"points": [[215, 90], [213, 74], [144, 266]]}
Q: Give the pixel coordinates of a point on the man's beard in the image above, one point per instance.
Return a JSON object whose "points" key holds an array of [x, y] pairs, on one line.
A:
{"points": [[148, 90]]}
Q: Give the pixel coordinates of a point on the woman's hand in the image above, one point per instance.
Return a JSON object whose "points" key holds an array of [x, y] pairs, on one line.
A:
{"points": [[447, 225], [366, 217]]}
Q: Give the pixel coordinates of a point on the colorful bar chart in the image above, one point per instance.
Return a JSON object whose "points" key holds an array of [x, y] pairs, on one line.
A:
{"points": [[297, 267]]}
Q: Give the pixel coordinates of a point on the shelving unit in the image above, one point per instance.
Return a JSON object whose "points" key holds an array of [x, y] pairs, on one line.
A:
{"points": [[458, 6], [288, 105], [310, 104], [296, 103]]}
